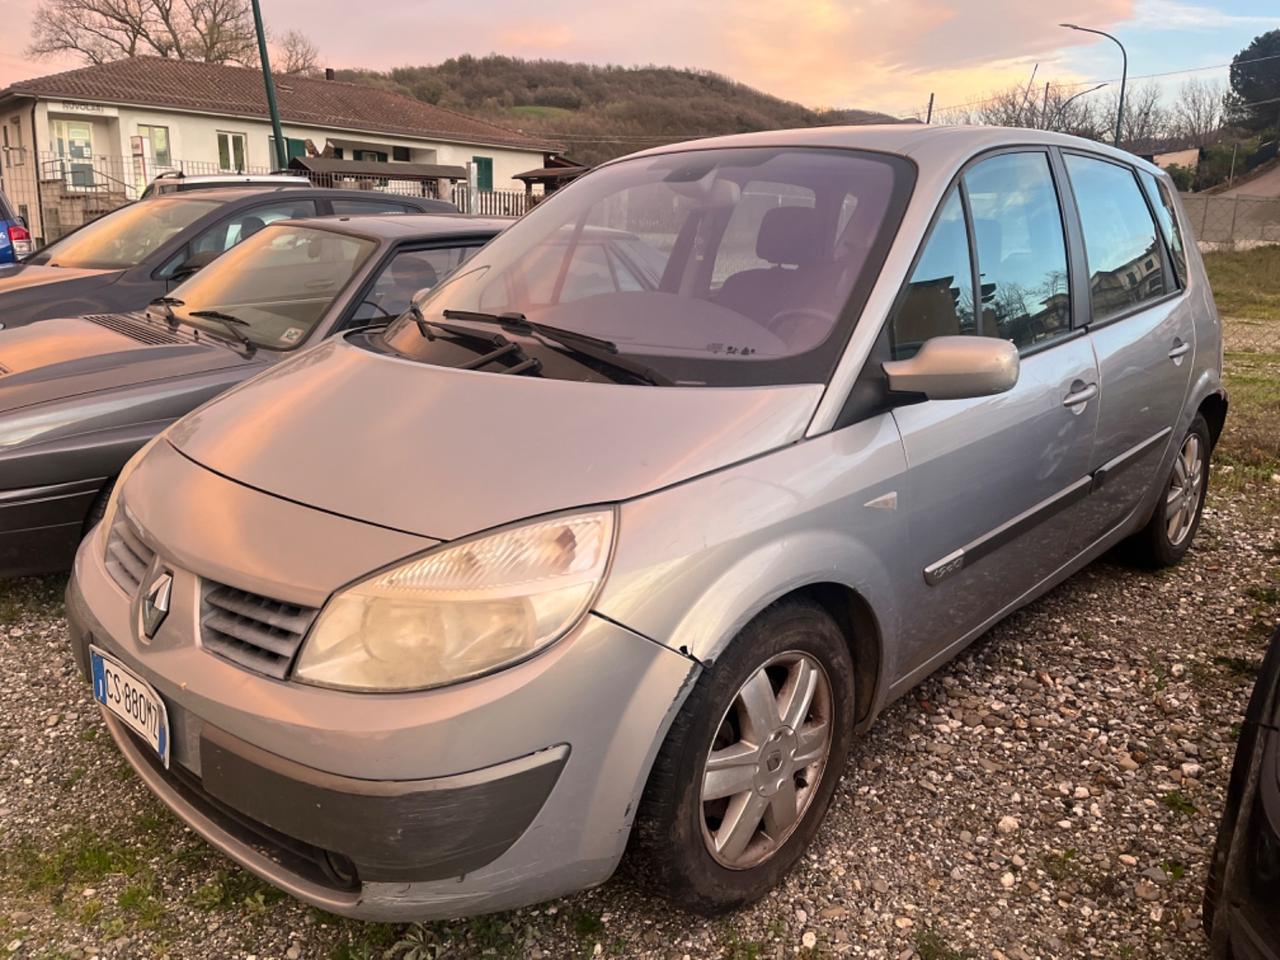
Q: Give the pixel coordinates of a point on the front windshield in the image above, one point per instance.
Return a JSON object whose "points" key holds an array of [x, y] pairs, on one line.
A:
{"points": [[279, 283], [124, 237], [710, 267]]}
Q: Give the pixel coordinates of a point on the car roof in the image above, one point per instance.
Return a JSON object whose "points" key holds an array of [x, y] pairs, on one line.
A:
{"points": [[924, 143], [414, 226], [248, 191]]}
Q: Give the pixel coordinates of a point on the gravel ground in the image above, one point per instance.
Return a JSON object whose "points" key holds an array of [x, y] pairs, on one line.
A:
{"points": [[1052, 793]]}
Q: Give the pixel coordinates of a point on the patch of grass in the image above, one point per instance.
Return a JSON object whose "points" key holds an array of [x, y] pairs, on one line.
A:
{"points": [[1246, 283], [236, 888], [1250, 441], [1175, 870], [1178, 802], [931, 946], [368, 941], [587, 925], [140, 900], [81, 856], [1062, 866]]}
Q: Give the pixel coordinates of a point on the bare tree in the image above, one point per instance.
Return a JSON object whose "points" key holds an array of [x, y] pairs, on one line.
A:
{"points": [[216, 31], [1197, 115], [1145, 119], [297, 55]]}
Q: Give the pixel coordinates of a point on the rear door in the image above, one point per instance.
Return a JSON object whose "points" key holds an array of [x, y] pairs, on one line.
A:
{"points": [[994, 483], [1141, 326]]}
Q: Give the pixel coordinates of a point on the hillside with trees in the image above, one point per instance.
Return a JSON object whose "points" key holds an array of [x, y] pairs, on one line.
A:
{"points": [[601, 112]]}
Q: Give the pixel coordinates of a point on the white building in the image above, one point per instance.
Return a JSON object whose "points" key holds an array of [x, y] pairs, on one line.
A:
{"points": [[74, 144]]}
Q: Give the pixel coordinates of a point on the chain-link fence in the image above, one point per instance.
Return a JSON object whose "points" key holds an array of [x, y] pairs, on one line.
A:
{"points": [[1233, 221], [1251, 336]]}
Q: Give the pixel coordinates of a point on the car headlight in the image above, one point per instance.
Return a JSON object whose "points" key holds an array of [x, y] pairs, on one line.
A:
{"points": [[113, 501], [461, 610]]}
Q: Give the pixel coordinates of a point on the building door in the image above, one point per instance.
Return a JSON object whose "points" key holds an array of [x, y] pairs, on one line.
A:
{"points": [[484, 173], [75, 151]]}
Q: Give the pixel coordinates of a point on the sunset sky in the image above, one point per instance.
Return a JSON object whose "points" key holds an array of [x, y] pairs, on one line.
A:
{"points": [[879, 54]]}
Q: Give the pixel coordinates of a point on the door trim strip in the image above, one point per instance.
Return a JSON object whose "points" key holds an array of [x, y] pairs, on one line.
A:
{"points": [[1037, 514]]}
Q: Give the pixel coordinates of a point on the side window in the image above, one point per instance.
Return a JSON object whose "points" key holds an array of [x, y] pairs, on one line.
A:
{"points": [[1126, 262], [406, 274], [1162, 203], [939, 298], [225, 235], [353, 208], [1022, 249]]}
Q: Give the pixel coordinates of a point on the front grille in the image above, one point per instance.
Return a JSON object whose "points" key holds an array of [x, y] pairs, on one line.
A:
{"points": [[251, 630], [134, 328], [127, 556]]}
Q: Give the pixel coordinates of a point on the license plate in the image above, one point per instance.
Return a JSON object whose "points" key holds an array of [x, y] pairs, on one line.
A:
{"points": [[131, 699]]}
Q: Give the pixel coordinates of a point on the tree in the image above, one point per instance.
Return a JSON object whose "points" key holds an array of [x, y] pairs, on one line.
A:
{"points": [[1197, 115], [297, 55], [1145, 119], [215, 31], [1254, 100]]}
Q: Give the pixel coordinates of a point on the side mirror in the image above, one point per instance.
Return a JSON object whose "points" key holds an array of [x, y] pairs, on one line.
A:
{"points": [[956, 368]]}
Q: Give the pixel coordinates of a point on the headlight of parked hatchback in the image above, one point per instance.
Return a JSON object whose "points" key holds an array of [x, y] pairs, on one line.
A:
{"points": [[461, 610]]}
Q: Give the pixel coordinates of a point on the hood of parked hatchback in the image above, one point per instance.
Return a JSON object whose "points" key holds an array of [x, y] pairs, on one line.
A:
{"points": [[33, 291], [443, 453], [61, 358]]}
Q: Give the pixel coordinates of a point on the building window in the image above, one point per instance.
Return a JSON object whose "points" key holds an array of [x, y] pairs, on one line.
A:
{"points": [[373, 156], [400, 154], [158, 137], [17, 155], [231, 152]]}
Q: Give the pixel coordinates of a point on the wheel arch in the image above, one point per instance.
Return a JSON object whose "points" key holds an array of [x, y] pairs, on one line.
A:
{"points": [[861, 628], [1214, 410]]}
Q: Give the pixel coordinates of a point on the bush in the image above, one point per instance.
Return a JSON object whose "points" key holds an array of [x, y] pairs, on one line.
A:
{"points": [[1183, 178]]}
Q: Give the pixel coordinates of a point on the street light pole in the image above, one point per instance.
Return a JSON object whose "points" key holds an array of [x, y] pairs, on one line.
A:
{"points": [[1124, 71], [281, 157], [1065, 103]]}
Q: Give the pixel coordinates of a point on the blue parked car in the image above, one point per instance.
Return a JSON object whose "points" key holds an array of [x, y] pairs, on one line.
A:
{"points": [[15, 241]]}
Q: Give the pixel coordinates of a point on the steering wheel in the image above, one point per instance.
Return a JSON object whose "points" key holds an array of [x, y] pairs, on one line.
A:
{"points": [[803, 327]]}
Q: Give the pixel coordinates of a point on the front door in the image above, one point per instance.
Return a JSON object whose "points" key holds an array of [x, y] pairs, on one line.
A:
{"points": [[1142, 332], [74, 140], [994, 484]]}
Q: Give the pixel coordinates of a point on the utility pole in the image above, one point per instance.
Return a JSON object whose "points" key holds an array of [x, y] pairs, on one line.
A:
{"points": [[1124, 73], [278, 133], [929, 116]]}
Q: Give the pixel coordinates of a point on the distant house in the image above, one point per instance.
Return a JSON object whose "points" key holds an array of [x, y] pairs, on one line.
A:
{"points": [[94, 137]]}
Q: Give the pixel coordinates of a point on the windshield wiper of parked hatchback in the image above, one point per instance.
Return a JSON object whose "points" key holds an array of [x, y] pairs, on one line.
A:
{"points": [[168, 303], [604, 352], [502, 346], [233, 325]]}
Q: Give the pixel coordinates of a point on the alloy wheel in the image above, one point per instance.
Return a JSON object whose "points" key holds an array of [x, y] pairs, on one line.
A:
{"points": [[1182, 499], [766, 760]]}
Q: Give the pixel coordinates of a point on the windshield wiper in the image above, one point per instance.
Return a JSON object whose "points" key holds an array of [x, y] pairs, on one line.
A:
{"points": [[582, 344], [233, 325], [168, 303], [502, 346]]}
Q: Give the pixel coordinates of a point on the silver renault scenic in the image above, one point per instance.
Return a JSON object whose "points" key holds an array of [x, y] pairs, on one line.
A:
{"points": [[620, 536]]}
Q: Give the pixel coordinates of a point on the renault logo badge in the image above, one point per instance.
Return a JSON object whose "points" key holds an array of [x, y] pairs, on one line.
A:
{"points": [[155, 605]]}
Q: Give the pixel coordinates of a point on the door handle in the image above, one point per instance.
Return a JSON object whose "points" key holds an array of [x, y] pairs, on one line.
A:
{"points": [[1082, 395], [1180, 348]]}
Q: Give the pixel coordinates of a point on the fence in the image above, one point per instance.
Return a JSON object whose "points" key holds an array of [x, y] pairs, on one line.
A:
{"points": [[1233, 221], [56, 194]]}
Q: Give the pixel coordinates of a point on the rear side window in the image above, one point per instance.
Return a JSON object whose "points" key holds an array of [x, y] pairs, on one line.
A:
{"points": [[245, 224], [1022, 250], [939, 297], [1126, 260], [352, 208], [1162, 203]]}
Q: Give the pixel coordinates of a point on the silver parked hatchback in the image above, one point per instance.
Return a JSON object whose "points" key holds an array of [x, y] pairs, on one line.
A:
{"points": [[624, 532]]}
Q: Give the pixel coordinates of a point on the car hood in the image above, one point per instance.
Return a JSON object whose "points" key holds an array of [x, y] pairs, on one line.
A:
{"points": [[33, 291], [443, 453], [61, 358]]}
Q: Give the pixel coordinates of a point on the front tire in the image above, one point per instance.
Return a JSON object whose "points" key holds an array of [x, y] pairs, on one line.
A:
{"points": [[1167, 536], [746, 774]]}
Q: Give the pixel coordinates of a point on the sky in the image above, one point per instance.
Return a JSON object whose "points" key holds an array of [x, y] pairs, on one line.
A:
{"points": [[876, 54]]}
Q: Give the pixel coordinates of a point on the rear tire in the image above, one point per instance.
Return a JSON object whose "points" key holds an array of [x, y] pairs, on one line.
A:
{"points": [[693, 841], [1167, 536]]}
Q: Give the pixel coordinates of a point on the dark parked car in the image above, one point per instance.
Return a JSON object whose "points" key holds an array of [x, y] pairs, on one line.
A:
{"points": [[15, 241], [1242, 901], [124, 259], [79, 396]]}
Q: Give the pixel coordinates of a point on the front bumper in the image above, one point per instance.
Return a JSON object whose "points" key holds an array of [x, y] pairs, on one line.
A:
{"points": [[484, 796], [41, 526]]}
